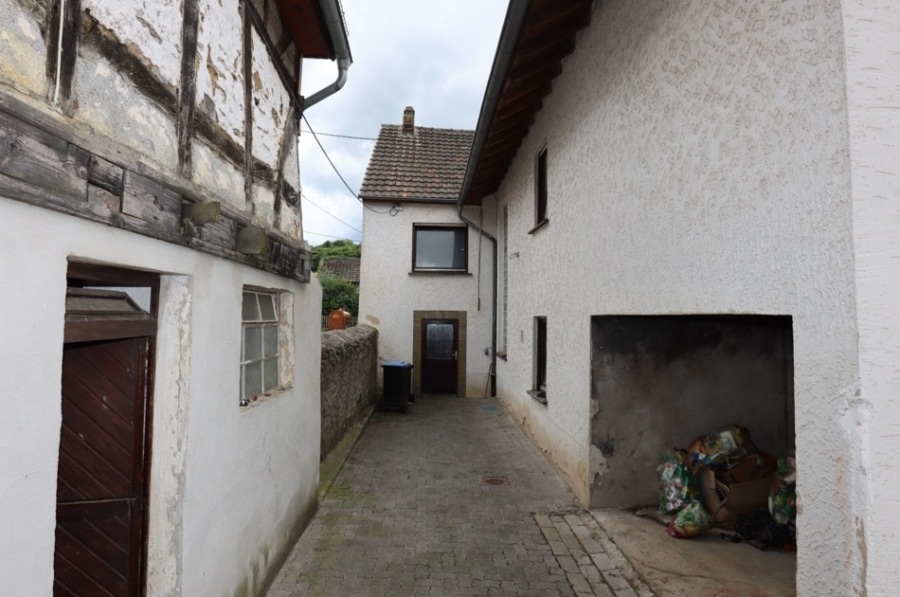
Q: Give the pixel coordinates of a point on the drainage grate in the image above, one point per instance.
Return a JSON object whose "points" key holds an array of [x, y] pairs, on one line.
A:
{"points": [[494, 481]]}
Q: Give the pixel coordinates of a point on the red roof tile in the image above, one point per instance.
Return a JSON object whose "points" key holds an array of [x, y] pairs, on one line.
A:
{"points": [[422, 164], [341, 267]]}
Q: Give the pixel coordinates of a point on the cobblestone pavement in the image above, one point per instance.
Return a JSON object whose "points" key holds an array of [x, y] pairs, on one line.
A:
{"points": [[451, 498]]}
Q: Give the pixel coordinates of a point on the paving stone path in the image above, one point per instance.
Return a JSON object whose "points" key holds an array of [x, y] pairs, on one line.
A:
{"points": [[451, 499]]}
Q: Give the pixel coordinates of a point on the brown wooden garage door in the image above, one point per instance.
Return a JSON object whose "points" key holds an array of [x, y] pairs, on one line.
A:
{"points": [[100, 504]]}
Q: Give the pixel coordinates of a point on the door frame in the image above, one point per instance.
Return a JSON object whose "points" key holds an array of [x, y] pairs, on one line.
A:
{"points": [[82, 328], [419, 348], [440, 369]]}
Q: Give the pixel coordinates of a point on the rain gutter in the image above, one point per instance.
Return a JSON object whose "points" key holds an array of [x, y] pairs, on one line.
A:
{"points": [[509, 37], [334, 22]]}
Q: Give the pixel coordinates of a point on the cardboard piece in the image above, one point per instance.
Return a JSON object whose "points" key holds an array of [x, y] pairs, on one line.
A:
{"points": [[741, 489]]}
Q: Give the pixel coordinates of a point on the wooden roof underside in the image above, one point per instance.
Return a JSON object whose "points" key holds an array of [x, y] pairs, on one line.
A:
{"points": [[547, 35], [306, 25]]}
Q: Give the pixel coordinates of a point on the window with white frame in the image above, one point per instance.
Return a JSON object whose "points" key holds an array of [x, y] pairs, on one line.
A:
{"points": [[260, 344]]}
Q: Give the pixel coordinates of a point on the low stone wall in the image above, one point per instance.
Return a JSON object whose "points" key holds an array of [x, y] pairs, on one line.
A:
{"points": [[349, 370]]}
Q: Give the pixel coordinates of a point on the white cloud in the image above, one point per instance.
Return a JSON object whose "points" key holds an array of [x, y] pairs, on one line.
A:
{"points": [[434, 56]]}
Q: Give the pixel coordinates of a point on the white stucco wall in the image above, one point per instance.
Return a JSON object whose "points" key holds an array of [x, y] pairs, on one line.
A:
{"points": [[699, 163], [389, 294], [236, 479], [872, 32]]}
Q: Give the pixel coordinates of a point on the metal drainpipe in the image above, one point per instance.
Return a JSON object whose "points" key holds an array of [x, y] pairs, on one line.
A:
{"points": [[509, 36], [331, 11], [493, 242]]}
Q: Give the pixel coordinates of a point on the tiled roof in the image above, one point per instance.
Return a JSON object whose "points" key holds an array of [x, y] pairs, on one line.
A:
{"points": [[425, 163], [341, 267]]}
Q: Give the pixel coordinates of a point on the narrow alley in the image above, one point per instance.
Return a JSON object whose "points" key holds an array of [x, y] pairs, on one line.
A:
{"points": [[450, 499]]}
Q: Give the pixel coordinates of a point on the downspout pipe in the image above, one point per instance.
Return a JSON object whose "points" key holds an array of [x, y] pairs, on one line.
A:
{"points": [[493, 241], [509, 36], [334, 22]]}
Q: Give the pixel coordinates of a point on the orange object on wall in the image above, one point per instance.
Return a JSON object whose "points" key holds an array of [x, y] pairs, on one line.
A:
{"points": [[338, 319]]}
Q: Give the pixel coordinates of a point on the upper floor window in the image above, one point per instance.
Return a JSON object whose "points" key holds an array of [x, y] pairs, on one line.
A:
{"points": [[440, 248], [540, 188]]}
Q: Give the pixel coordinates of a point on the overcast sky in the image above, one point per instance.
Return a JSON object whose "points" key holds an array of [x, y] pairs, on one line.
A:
{"points": [[434, 56]]}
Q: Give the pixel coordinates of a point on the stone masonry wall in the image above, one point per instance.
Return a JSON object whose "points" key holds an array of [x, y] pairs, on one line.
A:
{"points": [[349, 369]]}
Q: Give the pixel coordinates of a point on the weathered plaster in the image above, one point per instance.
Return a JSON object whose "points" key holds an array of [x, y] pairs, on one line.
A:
{"points": [[264, 204], [389, 295], [699, 163], [115, 109], [171, 402], [268, 446], [659, 382], [291, 219], [264, 461], [211, 171], [22, 49], [152, 28], [873, 97], [271, 104], [220, 75]]}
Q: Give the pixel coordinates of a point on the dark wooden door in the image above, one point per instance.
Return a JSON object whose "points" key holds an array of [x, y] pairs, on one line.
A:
{"points": [[440, 355], [102, 466]]}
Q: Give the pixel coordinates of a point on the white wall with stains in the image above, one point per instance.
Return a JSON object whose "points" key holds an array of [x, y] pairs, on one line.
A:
{"points": [[239, 479], [389, 293], [271, 104], [153, 29], [873, 96], [110, 104], [107, 102], [699, 162], [220, 72]]}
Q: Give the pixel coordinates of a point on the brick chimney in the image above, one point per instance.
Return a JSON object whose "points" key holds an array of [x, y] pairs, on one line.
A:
{"points": [[409, 119]]}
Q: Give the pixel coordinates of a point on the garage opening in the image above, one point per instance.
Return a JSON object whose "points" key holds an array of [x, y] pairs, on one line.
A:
{"points": [[658, 382]]}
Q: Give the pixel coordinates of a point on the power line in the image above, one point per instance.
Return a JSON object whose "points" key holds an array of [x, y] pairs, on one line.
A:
{"points": [[326, 235], [342, 136], [327, 157], [336, 171], [314, 204]]}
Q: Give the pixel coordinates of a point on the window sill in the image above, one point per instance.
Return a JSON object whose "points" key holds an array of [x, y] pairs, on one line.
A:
{"points": [[539, 395], [539, 225], [439, 273], [263, 398], [501, 355]]}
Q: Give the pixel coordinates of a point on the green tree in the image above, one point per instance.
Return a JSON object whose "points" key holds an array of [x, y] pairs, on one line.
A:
{"points": [[338, 293], [334, 248]]}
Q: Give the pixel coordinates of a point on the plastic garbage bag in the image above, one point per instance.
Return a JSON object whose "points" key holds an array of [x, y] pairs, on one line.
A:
{"points": [[783, 491], [676, 483], [721, 448], [690, 521]]}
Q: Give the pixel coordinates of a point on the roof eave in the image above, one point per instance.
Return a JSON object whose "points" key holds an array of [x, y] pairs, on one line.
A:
{"points": [[519, 91]]}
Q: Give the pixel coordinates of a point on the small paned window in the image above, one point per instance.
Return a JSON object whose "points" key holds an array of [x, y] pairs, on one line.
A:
{"points": [[539, 370], [440, 248], [260, 355]]}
